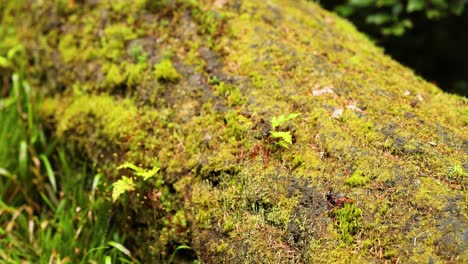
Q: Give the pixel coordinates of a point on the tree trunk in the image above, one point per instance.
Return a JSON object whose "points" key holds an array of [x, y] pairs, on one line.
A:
{"points": [[282, 134]]}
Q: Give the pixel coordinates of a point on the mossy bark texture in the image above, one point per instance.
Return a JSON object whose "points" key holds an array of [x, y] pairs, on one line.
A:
{"points": [[370, 166]]}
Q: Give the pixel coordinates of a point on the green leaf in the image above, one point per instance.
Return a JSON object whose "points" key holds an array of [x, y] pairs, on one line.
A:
{"points": [[414, 5], [50, 172], [378, 19], [128, 165], [361, 3], [433, 14], [119, 247], [285, 138], [175, 251], [23, 158], [441, 4], [397, 29], [344, 10], [146, 174], [279, 120], [140, 172], [458, 7], [283, 144], [4, 62], [122, 186]]}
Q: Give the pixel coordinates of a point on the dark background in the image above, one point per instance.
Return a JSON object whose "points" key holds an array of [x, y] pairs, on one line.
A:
{"points": [[437, 49]]}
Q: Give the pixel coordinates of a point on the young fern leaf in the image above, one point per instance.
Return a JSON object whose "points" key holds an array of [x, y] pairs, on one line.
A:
{"points": [[131, 166], [127, 184], [277, 121], [285, 138], [122, 186], [146, 174], [140, 172]]}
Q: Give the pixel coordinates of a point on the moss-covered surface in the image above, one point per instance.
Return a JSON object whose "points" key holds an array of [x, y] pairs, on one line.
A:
{"points": [[377, 168]]}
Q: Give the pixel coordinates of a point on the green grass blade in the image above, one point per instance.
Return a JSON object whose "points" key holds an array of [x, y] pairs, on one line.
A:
{"points": [[119, 247], [50, 172], [23, 158]]}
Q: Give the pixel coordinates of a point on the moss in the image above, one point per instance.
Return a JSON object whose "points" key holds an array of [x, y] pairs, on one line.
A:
{"points": [[236, 125], [222, 247], [138, 54], [98, 120], [388, 254], [114, 77], [179, 219], [358, 178], [115, 39], [68, 48], [165, 71], [128, 74], [348, 221], [120, 32], [371, 131], [135, 73]]}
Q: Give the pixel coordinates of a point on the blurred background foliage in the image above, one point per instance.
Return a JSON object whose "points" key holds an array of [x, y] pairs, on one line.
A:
{"points": [[429, 36]]}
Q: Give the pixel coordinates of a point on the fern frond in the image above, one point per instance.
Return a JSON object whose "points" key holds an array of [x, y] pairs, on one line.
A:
{"points": [[140, 172], [146, 174], [131, 166], [285, 138], [122, 186], [279, 120]]}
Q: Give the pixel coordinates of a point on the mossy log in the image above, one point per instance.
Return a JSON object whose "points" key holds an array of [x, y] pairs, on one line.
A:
{"points": [[283, 135]]}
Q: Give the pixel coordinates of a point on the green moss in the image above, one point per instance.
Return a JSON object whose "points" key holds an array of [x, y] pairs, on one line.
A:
{"points": [[68, 48], [135, 73], [114, 76], [257, 80], [232, 94], [113, 43], [358, 178], [128, 74], [179, 219], [165, 71], [205, 197], [237, 125], [98, 119], [120, 32], [388, 254], [348, 221], [138, 54], [233, 189]]}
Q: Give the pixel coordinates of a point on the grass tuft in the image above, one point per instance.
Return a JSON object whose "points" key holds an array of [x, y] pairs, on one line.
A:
{"points": [[51, 211]]}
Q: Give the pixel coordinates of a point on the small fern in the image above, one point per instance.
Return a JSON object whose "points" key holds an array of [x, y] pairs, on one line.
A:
{"points": [[277, 121], [121, 186], [126, 184], [140, 172], [285, 138]]}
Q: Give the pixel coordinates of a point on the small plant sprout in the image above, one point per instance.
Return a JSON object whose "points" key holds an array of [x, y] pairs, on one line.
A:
{"points": [[122, 186], [127, 184], [284, 138], [140, 172], [277, 121], [456, 171]]}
